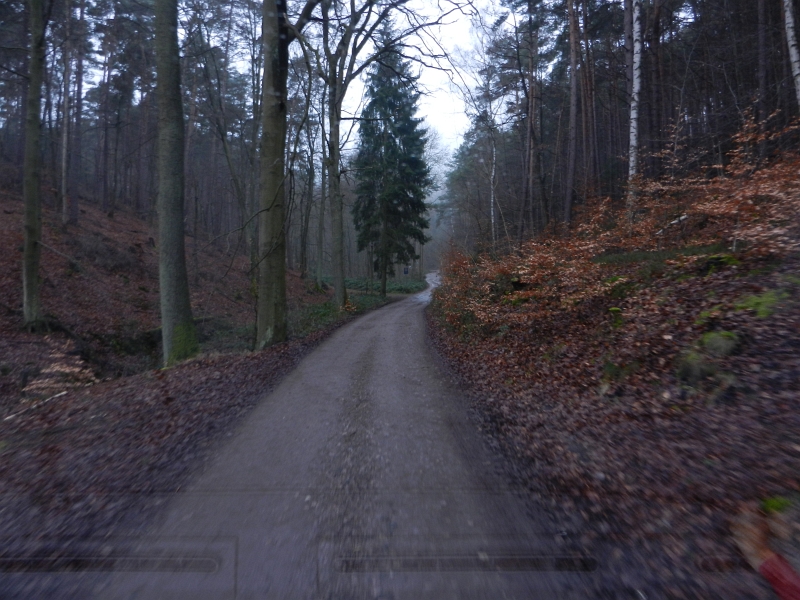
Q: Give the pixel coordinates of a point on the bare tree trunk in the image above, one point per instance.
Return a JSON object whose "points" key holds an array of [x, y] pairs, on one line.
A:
{"points": [[384, 240], [791, 40], [271, 309], [337, 208], [76, 166], [572, 135], [77, 145], [762, 75], [65, 117], [177, 326], [105, 109], [323, 196], [633, 144], [492, 190], [306, 212], [591, 113], [31, 306], [628, 27], [271, 319], [530, 196], [530, 165]]}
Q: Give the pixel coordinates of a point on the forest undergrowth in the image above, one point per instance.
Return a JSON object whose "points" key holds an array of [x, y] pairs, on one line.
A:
{"points": [[645, 371]]}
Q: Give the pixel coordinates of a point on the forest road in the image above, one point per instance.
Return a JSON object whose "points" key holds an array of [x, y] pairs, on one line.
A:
{"points": [[360, 476]]}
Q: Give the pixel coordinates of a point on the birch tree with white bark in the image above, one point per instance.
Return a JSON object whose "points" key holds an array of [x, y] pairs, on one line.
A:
{"points": [[791, 41], [636, 88]]}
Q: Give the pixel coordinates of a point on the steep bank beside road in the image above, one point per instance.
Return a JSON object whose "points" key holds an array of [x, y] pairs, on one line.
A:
{"points": [[649, 380]]}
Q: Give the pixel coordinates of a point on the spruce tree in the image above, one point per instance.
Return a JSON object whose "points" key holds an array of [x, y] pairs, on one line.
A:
{"points": [[392, 175]]}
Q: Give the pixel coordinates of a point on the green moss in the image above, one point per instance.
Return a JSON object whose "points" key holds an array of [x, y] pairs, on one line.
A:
{"points": [[720, 343], [763, 304], [616, 316], [726, 259], [615, 372], [707, 315], [651, 270], [622, 290], [716, 262], [184, 343], [692, 368], [793, 279], [502, 331], [776, 504], [611, 371], [554, 352]]}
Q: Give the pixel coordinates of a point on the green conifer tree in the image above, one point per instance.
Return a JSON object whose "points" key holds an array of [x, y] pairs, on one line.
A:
{"points": [[392, 175]]}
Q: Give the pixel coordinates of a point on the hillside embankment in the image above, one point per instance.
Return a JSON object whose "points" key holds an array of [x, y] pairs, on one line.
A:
{"points": [[92, 432], [643, 368]]}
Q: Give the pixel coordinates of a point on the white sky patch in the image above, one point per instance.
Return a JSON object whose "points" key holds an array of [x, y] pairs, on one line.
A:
{"points": [[441, 104]]}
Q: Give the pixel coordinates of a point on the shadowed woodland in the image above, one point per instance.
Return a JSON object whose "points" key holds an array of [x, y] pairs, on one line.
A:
{"points": [[617, 234]]}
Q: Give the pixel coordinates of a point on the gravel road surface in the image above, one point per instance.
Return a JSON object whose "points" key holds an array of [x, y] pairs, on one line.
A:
{"points": [[360, 476]]}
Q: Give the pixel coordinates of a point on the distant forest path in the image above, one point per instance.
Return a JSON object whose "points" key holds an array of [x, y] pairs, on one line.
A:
{"points": [[360, 476]]}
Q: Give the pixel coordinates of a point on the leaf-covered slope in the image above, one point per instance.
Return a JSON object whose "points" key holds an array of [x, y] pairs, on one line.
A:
{"points": [[645, 372]]}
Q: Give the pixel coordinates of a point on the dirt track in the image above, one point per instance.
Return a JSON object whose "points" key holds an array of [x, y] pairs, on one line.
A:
{"points": [[360, 476]]}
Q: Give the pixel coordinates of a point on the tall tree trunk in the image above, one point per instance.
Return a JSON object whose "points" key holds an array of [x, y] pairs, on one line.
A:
{"points": [[583, 87], [50, 99], [791, 40], [572, 135], [656, 110], [384, 250], [306, 213], [530, 164], [177, 326], [106, 109], [531, 197], [65, 117], [271, 312], [762, 75], [591, 111], [337, 201], [628, 33], [323, 196], [492, 187], [254, 169], [633, 143], [276, 37], [77, 145], [31, 192]]}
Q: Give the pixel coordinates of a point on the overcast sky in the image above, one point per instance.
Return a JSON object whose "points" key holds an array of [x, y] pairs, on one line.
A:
{"points": [[441, 105]]}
